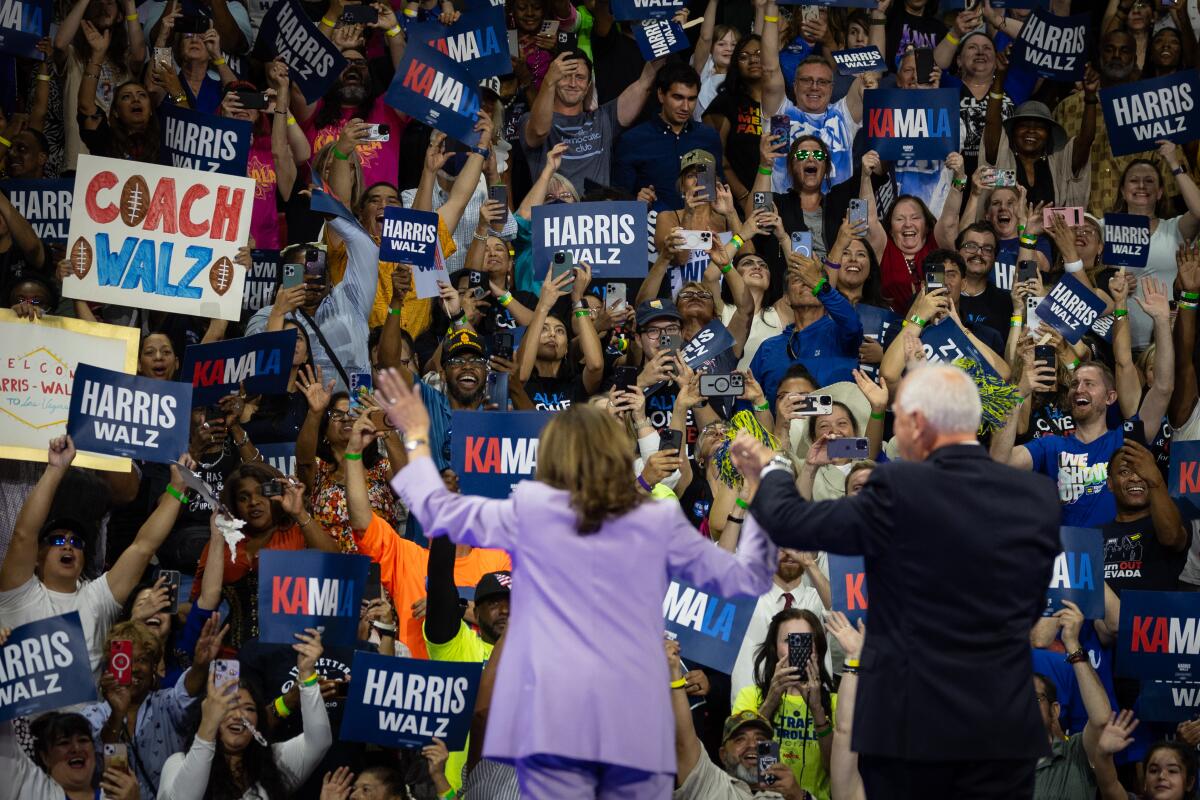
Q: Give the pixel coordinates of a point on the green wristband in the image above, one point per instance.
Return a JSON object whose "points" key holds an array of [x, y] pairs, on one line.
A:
{"points": [[338, 154], [741, 503], [352, 456], [766, 406], [821, 284], [1193, 296], [877, 416], [178, 495]]}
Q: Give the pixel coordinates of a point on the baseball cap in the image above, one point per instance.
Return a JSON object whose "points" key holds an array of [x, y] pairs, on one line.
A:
{"points": [[69, 524], [493, 584], [743, 718], [463, 342], [651, 310], [490, 84], [697, 158]]}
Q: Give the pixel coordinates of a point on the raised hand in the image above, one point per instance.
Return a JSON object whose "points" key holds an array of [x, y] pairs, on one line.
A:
{"points": [[317, 393], [848, 636], [308, 650], [405, 409], [1118, 733], [1154, 300], [61, 452]]}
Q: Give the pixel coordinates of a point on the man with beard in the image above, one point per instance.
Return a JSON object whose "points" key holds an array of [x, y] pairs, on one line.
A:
{"points": [[1117, 65], [1002, 213], [464, 370], [979, 301]]}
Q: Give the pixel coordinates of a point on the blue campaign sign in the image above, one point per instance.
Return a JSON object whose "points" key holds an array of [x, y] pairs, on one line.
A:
{"points": [[1126, 240], [314, 61], [876, 321], [22, 25], [848, 585], [205, 142], [1071, 308], [280, 455], [492, 450], [623, 10], [300, 589], [830, 3], [609, 236], [658, 38], [45, 204], [408, 702], [1183, 478], [436, 90], [478, 41], [44, 666], [859, 60], [946, 342], [115, 414], [1159, 636], [1138, 114], [1053, 47], [262, 362], [1078, 573], [709, 343], [912, 123], [1163, 701], [409, 236], [324, 201], [262, 281], [709, 628]]}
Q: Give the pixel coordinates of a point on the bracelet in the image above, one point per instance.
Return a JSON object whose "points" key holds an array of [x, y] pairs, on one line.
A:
{"points": [[583, 312], [395, 312], [880, 22], [305, 523], [328, 23], [738, 241], [338, 154], [219, 61], [875, 415], [1016, 318], [770, 19], [833, 264], [1091, 101], [765, 171], [178, 495], [393, 32], [291, 120], [1190, 295], [311, 680], [738, 520], [952, 39], [915, 320], [642, 482], [410, 12], [1187, 304], [766, 406], [740, 503], [1020, 229], [1120, 312], [43, 77], [449, 795], [1015, 322], [479, 238], [281, 708], [849, 670], [352, 456], [958, 183], [1074, 364], [1028, 240], [505, 299], [823, 732], [821, 284], [95, 77], [679, 684], [852, 663], [131, 17], [5, 142], [1074, 266], [996, 95], [245, 438], [725, 268], [1077, 656]]}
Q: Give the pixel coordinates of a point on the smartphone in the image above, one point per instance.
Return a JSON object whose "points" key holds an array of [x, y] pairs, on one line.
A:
{"points": [[374, 586], [814, 405], [763, 202], [272, 488], [1027, 270], [1004, 177], [314, 262], [732, 384], [671, 342], [696, 240], [935, 279], [163, 55], [514, 44], [120, 661], [214, 414], [499, 194], [768, 756], [379, 132], [1135, 430], [502, 345], [496, 391], [567, 42], [115, 755], [1046, 352], [252, 101], [226, 670], [924, 56], [625, 378], [800, 647], [810, 13], [171, 584], [616, 296], [549, 28], [360, 383], [563, 263], [802, 243], [855, 447], [359, 14], [707, 182], [1073, 217], [670, 439], [781, 128], [857, 210], [1032, 320], [293, 276], [191, 23]]}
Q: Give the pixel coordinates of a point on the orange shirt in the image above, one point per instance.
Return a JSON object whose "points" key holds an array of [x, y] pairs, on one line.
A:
{"points": [[479, 562], [402, 568], [283, 539]]}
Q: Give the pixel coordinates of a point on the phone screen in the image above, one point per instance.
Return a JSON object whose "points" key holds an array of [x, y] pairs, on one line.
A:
{"points": [[924, 56]]}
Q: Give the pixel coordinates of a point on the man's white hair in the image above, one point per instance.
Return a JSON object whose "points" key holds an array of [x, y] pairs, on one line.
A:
{"points": [[945, 395]]}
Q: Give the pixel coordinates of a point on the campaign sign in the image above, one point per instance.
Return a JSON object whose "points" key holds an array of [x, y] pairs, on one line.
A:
{"points": [[160, 238], [709, 628], [1126, 240], [44, 666], [300, 589], [830, 3], [658, 38], [325, 201], [1071, 308], [204, 142], [848, 585], [912, 124], [1078, 573], [436, 90], [22, 24], [1183, 478], [624, 10], [1162, 701], [859, 60], [262, 363], [609, 236], [478, 40], [426, 278], [1053, 47], [314, 61], [709, 343], [1138, 114], [116, 414], [408, 702], [492, 450], [409, 236], [46, 204], [262, 281], [280, 455], [946, 343], [1159, 636]]}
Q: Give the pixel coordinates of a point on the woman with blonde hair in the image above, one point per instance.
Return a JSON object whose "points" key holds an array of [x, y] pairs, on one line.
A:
{"points": [[583, 529]]}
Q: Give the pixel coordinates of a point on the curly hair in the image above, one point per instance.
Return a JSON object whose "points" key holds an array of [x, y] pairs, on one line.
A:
{"points": [[256, 471]]}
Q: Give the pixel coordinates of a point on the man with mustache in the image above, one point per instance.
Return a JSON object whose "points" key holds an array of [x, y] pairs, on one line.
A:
{"points": [[980, 302]]}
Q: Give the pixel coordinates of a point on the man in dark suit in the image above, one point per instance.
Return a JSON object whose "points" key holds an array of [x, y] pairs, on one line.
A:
{"points": [[958, 552]]}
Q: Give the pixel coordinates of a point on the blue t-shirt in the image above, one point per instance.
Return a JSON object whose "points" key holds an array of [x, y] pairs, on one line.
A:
{"points": [[1082, 474], [1006, 260]]}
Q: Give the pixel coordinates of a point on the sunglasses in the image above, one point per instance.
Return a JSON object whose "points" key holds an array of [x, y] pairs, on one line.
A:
{"points": [[60, 541], [804, 155]]}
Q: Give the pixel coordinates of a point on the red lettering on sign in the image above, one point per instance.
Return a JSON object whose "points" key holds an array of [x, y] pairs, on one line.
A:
{"points": [[227, 211], [162, 207], [855, 599], [1189, 477], [186, 226], [99, 181]]}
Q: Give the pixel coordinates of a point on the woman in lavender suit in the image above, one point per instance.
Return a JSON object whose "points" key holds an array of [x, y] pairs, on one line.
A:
{"points": [[582, 704]]}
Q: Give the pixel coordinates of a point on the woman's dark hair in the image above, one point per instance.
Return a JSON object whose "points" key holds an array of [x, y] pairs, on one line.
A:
{"points": [[257, 471], [812, 421], [140, 145], [766, 656], [872, 290], [1162, 208], [1153, 68], [774, 290], [1187, 757], [331, 113], [53, 727], [930, 221], [37, 278], [325, 452], [734, 84], [258, 761], [118, 45]]}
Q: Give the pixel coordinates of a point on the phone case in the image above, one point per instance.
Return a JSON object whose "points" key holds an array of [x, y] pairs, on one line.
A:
{"points": [[120, 661]]}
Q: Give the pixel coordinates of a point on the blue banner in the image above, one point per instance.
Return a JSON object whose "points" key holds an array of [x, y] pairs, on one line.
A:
{"points": [[263, 362], [409, 236], [1136, 115], [859, 60], [300, 589], [1078, 573], [438, 91], [658, 38], [44, 666], [609, 236], [262, 281], [1183, 478], [23, 25], [478, 41], [1053, 47], [280, 455], [624, 10], [709, 629], [848, 585], [830, 3], [1159, 636], [1126, 240], [492, 450], [46, 204], [314, 61], [205, 142], [324, 201], [1071, 308], [947, 343], [912, 123], [709, 343], [115, 414], [408, 702], [1160, 701]]}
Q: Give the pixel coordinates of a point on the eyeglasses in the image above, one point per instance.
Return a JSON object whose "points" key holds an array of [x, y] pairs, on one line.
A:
{"points": [[694, 295], [465, 362], [60, 541], [33, 301], [750, 57], [804, 155], [562, 197], [823, 83], [1086, 230], [654, 334], [976, 247], [337, 415]]}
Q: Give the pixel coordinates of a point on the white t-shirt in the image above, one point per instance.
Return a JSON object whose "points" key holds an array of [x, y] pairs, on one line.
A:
{"points": [[710, 82], [836, 128], [762, 327], [94, 601]]}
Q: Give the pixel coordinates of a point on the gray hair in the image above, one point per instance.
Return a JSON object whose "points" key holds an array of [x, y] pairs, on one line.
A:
{"points": [[945, 395]]}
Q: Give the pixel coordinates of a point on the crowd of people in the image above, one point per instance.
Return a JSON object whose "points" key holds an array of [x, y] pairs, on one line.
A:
{"points": [[753, 135]]}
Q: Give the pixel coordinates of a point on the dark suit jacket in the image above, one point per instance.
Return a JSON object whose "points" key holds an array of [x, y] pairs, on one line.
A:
{"points": [[958, 552]]}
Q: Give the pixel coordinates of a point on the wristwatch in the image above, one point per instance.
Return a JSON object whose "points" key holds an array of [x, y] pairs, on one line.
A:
{"points": [[780, 461], [412, 444]]}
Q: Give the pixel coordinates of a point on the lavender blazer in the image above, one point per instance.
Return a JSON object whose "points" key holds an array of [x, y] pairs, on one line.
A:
{"points": [[583, 674]]}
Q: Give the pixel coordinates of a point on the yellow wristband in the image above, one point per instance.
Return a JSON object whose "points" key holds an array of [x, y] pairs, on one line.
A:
{"points": [[851, 662], [41, 77], [679, 684], [291, 120], [281, 708], [220, 61], [770, 19], [327, 22], [5, 142], [131, 17], [311, 680], [410, 12], [393, 31], [952, 39]]}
